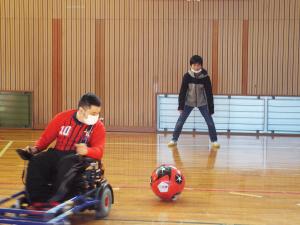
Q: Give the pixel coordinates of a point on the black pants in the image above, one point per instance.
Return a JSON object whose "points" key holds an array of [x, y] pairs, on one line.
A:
{"points": [[52, 175]]}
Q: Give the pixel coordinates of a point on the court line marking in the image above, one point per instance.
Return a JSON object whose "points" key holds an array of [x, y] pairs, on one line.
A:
{"points": [[165, 221], [232, 191], [188, 188], [183, 145], [5, 148], [243, 194], [222, 190], [120, 187], [18, 140]]}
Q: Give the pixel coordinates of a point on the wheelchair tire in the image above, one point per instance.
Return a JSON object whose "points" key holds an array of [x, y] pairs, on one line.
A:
{"points": [[103, 208]]}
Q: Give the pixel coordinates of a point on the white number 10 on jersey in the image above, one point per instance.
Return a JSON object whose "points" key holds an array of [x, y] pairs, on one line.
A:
{"points": [[65, 130]]}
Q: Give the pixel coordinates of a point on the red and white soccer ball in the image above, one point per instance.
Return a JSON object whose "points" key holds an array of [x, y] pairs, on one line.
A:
{"points": [[167, 182]]}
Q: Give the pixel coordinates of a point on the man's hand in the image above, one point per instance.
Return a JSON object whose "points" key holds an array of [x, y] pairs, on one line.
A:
{"points": [[32, 150], [180, 111], [81, 149], [27, 152]]}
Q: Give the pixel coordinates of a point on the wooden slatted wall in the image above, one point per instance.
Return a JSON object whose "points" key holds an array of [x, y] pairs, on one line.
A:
{"points": [[127, 51]]}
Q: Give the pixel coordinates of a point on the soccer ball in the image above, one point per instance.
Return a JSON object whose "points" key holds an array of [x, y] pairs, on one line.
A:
{"points": [[167, 182]]}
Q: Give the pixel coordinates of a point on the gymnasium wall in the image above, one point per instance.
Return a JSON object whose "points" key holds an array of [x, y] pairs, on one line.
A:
{"points": [[127, 51]]}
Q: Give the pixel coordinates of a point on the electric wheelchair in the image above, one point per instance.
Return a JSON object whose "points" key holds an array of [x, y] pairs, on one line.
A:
{"points": [[94, 193]]}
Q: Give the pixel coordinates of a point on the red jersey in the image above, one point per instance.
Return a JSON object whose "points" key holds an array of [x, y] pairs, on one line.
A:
{"points": [[68, 131]]}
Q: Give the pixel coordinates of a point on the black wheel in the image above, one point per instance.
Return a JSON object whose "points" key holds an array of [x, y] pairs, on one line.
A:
{"points": [[103, 208]]}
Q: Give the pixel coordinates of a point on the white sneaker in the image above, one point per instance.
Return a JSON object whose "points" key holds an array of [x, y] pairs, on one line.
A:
{"points": [[214, 144], [172, 143]]}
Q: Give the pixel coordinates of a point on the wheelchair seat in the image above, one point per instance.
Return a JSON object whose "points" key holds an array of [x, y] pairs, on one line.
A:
{"points": [[90, 178]]}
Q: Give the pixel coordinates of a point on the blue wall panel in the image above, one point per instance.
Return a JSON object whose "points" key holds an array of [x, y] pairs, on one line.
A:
{"points": [[264, 114]]}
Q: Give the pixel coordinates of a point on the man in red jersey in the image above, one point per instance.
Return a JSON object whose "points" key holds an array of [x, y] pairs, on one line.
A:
{"points": [[77, 132]]}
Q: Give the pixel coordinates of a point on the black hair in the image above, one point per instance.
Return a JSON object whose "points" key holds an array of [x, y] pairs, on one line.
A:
{"points": [[89, 99], [196, 59]]}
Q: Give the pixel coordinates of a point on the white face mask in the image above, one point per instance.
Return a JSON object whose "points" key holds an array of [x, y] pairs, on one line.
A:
{"points": [[194, 71], [91, 120]]}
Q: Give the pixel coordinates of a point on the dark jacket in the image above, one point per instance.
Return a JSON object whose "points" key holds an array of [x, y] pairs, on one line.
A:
{"points": [[196, 90]]}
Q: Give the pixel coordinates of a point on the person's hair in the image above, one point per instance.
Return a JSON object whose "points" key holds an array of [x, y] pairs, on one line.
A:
{"points": [[196, 59], [89, 99]]}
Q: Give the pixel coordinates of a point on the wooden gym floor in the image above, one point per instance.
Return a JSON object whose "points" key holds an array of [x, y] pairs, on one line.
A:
{"points": [[249, 180]]}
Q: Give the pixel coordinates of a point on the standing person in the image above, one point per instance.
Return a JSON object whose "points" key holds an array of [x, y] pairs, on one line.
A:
{"points": [[77, 132], [196, 91]]}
